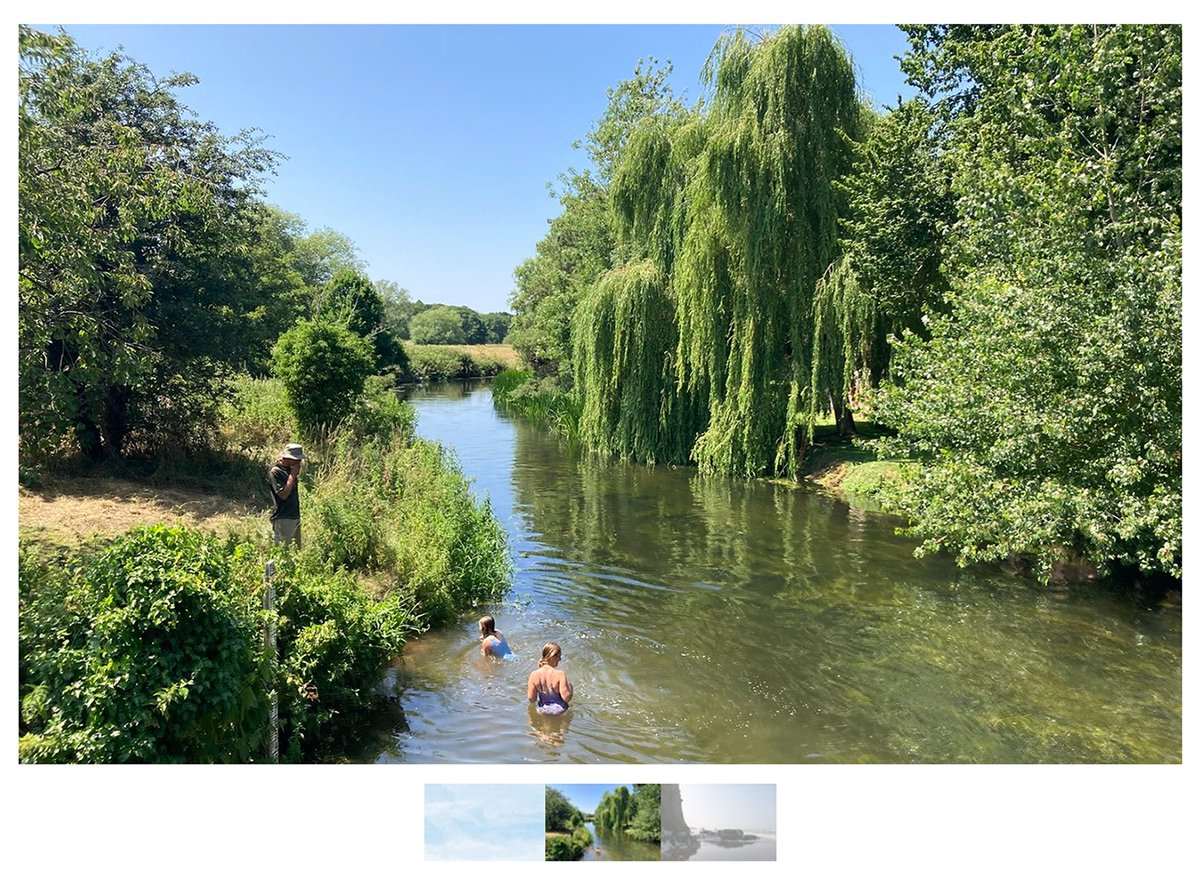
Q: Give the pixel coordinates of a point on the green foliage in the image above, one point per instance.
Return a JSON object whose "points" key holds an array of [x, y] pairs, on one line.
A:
{"points": [[440, 325], [580, 245], [439, 362], [615, 810], [319, 255], [140, 258], [324, 367], [257, 416], [382, 418], [900, 209], [1048, 403], [706, 344], [625, 339], [496, 323], [560, 812], [334, 640], [407, 512], [646, 823], [637, 815], [560, 848], [541, 400], [350, 299], [474, 332], [150, 651]]}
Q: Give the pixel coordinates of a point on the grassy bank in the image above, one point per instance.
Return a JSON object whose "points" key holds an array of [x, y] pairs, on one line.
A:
{"points": [[541, 400], [141, 581], [442, 362]]}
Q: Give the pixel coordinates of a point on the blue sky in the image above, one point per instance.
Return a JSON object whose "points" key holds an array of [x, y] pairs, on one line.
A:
{"points": [[484, 822], [430, 146], [585, 797]]}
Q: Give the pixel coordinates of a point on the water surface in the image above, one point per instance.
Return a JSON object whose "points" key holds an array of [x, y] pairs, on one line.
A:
{"points": [[712, 620]]}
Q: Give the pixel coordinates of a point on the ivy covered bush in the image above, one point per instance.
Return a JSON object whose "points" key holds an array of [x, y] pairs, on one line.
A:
{"points": [[148, 651], [151, 650]]}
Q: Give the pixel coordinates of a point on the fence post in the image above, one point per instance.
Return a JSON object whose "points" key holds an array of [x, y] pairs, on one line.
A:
{"points": [[273, 721]]}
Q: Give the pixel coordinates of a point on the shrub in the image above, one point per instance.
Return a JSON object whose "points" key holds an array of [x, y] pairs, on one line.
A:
{"points": [[407, 509], [323, 367], [431, 363], [149, 651], [333, 642], [382, 417], [258, 416], [563, 849]]}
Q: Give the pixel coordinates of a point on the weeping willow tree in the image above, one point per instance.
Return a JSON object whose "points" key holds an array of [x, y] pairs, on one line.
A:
{"points": [[615, 810], [706, 343], [625, 334], [765, 217]]}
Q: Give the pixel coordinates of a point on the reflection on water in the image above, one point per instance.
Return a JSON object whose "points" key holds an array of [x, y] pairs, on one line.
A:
{"points": [[715, 620], [607, 846], [754, 847]]}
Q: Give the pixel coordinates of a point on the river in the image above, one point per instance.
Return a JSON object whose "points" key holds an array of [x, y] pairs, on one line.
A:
{"points": [[610, 847], [712, 620]]}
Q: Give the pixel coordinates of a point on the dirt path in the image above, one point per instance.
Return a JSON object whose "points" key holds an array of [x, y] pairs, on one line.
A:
{"points": [[87, 508]]}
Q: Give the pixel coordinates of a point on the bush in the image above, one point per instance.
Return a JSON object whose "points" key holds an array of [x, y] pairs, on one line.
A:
{"points": [[258, 416], [333, 642], [409, 510], [323, 367], [149, 651], [430, 363], [382, 417], [563, 849]]}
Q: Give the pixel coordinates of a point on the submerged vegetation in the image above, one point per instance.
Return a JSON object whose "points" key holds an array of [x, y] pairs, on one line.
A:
{"points": [[991, 271]]}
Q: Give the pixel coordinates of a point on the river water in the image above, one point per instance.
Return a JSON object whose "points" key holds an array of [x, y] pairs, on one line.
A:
{"points": [[610, 847], [713, 620]]}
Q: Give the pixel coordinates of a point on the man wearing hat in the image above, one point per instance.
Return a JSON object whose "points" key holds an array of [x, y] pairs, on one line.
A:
{"points": [[285, 478]]}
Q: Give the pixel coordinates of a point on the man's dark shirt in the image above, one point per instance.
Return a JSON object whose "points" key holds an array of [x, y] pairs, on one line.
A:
{"points": [[285, 508]]}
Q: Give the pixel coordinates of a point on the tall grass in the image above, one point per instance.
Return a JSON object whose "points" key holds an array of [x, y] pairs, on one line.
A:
{"points": [[540, 400], [442, 362], [380, 503]]}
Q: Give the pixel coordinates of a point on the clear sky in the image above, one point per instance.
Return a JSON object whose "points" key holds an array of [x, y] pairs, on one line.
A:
{"points": [[431, 146], [586, 797], [747, 807], [491, 822]]}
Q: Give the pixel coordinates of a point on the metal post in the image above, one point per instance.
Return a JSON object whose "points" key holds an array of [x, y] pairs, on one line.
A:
{"points": [[269, 605]]}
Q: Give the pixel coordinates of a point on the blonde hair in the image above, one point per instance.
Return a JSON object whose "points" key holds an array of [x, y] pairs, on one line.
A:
{"points": [[487, 625], [551, 653]]}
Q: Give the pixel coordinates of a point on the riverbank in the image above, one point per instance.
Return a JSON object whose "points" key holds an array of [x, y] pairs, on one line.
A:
{"points": [[394, 543], [432, 363]]}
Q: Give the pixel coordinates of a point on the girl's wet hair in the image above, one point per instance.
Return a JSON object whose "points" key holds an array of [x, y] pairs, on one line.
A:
{"points": [[487, 625], [551, 652]]}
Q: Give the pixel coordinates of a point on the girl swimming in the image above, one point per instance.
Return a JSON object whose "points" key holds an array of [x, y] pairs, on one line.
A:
{"points": [[549, 687], [491, 641]]}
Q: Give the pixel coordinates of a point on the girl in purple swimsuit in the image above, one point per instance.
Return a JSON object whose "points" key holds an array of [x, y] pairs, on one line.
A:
{"points": [[548, 686]]}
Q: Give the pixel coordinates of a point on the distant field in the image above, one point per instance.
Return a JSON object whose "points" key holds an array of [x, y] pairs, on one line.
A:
{"points": [[479, 353]]}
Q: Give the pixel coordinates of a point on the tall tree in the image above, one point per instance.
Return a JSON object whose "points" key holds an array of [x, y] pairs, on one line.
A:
{"points": [[1047, 405], [580, 244], [132, 216], [730, 220]]}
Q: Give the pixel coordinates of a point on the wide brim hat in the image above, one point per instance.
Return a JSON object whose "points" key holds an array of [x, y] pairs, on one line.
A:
{"points": [[293, 450]]}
